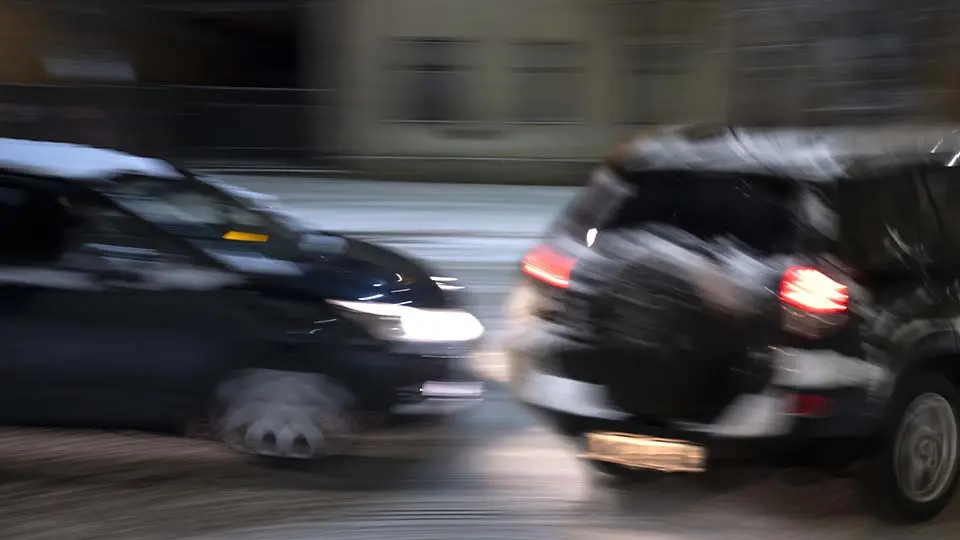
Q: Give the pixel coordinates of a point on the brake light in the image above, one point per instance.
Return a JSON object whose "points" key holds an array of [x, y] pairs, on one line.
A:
{"points": [[548, 266], [813, 291], [810, 405]]}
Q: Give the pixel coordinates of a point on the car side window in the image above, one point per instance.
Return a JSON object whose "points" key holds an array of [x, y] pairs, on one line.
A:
{"points": [[878, 216], [106, 235], [193, 203], [944, 185], [32, 221], [118, 250]]}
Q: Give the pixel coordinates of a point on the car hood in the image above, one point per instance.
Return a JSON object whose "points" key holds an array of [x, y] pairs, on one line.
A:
{"points": [[337, 267]]}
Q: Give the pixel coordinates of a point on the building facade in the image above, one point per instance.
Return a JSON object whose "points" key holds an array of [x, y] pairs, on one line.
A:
{"points": [[533, 81], [446, 86], [209, 79], [530, 80]]}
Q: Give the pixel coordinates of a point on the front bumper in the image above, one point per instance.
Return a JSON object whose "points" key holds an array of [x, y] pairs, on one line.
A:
{"points": [[413, 380], [432, 398]]}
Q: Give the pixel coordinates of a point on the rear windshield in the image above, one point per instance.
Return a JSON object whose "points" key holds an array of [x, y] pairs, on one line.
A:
{"points": [[758, 211]]}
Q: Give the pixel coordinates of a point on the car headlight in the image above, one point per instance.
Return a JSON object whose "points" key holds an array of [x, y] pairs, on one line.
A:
{"points": [[404, 323]]}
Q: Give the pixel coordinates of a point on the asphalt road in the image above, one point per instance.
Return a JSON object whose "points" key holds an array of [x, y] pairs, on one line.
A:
{"points": [[491, 473]]}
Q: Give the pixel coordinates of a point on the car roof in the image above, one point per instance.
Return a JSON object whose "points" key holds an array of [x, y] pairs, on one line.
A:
{"points": [[77, 162], [823, 154]]}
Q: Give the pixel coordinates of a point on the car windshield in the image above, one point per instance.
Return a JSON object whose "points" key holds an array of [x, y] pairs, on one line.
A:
{"points": [[207, 215], [261, 202]]}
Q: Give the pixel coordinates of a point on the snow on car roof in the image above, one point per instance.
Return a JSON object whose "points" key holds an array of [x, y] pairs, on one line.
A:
{"points": [[76, 161], [236, 190], [811, 154]]}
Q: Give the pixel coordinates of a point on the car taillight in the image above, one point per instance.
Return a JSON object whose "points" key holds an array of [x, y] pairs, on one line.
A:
{"points": [[548, 266], [813, 405], [813, 291]]}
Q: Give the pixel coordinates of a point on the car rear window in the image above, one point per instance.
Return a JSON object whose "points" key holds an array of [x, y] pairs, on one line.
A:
{"points": [[758, 211], [596, 203]]}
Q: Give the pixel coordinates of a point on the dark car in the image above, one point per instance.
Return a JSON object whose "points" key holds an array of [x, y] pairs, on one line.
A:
{"points": [[136, 295], [763, 296]]}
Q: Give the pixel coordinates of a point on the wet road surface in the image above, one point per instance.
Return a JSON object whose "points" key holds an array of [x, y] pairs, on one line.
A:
{"points": [[491, 473]]}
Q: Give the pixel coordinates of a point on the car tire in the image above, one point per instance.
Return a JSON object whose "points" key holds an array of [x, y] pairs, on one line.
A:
{"points": [[281, 416], [913, 475]]}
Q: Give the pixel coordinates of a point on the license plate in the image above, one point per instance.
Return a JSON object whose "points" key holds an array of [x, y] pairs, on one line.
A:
{"points": [[640, 452], [451, 390]]}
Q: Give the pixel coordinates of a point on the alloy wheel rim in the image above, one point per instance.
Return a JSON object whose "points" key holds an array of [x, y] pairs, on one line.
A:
{"points": [[925, 451], [278, 415], [271, 430]]}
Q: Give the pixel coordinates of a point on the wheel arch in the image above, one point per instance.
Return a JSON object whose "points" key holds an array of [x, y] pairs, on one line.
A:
{"points": [[938, 352]]}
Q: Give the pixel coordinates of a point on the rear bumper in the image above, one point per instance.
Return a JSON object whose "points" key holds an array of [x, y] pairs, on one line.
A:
{"points": [[762, 425], [851, 411], [794, 449], [754, 428]]}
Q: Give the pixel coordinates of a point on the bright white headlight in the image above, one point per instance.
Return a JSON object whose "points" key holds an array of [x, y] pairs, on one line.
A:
{"points": [[405, 323]]}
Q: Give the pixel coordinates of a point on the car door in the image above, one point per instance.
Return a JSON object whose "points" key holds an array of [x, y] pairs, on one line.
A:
{"points": [[132, 333], [942, 252], [30, 232], [891, 237]]}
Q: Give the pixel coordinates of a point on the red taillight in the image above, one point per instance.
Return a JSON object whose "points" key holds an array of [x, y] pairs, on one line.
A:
{"points": [[546, 265], [811, 290], [810, 405]]}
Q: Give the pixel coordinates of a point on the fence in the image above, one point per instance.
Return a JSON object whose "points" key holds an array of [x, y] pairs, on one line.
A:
{"points": [[182, 123]]}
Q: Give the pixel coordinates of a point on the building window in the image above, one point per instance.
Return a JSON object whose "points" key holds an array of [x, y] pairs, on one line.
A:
{"points": [[429, 80], [86, 50], [639, 19], [772, 79], [772, 83], [654, 86], [548, 82], [660, 45]]}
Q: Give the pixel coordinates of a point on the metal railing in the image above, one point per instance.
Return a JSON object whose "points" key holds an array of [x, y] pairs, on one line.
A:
{"points": [[179, 122]]}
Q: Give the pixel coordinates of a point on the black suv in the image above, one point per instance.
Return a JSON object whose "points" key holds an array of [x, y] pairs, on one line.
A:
{"points": [[136, 295], [724, 294]]}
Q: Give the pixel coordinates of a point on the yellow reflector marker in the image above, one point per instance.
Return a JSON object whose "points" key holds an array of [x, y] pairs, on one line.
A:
{"points": [[245, 237]]}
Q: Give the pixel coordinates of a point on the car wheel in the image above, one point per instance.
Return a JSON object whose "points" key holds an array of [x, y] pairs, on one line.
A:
{"points": [[913, 475], [284, 416]]}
